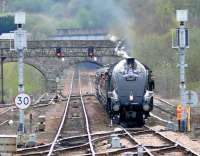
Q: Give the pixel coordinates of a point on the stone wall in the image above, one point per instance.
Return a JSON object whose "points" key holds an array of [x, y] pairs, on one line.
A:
{"points": [[41, 55]]}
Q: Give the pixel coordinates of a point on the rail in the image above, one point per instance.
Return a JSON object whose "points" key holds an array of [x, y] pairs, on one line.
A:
{"points": [[175, 142], [63, 119], [135, 140], [4, 122], [5, 111], [172, 144], [164, 101], [171, 110], [86, 120], [13, 108], [131, 133]]}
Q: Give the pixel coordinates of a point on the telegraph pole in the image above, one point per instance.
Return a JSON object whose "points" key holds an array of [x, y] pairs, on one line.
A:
{"points": [[20, 43]]}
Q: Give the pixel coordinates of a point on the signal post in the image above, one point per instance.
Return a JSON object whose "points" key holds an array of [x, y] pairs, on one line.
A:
{"points": [[181, 44], [188, 98], [22, 100]]}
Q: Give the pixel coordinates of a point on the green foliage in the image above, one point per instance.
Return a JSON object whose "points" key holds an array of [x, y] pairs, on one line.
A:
{"points": [[164, 12], [193, 57], [39, 26], [70, 23], [83, 16], [153, 43], [34, 81], [155, 51], [30, 6]]}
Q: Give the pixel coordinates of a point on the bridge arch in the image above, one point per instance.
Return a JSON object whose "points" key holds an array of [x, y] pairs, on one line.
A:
{"points": [[34, 65], [42, 71], [86, 63], [52, 67]]}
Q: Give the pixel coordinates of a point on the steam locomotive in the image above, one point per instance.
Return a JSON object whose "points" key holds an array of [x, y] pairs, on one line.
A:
{"points": [[126, 90]]}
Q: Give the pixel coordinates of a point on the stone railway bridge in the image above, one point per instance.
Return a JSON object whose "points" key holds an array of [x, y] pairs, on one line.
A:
{"points": [[42, 55]]}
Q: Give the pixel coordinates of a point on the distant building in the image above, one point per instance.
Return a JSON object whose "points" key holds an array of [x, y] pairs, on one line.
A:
{"points": [[7, 36], [80, 34]]}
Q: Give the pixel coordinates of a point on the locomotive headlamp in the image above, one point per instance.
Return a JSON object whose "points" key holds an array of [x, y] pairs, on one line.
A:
{"points": [[146, 107], [131, 97]]}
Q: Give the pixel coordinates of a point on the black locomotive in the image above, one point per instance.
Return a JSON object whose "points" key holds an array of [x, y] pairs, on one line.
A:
{"points": [[126, 90]]}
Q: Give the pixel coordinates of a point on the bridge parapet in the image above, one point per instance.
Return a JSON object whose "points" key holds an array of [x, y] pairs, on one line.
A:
{"points": [[69, 48], [66, 51], [5, 44], [42, 55]]}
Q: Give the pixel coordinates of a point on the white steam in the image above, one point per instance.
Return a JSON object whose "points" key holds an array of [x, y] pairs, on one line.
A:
{"points": [[121, 52]]}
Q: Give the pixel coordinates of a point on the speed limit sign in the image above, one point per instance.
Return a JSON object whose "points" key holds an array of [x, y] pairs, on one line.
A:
{"points": [[22, 101]]}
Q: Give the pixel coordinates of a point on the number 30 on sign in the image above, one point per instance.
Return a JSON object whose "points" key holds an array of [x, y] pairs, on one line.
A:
{"points": [[22, 101]]}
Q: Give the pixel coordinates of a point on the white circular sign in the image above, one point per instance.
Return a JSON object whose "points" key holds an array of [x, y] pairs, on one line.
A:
{"points": [[191, 97], [22, 101]]}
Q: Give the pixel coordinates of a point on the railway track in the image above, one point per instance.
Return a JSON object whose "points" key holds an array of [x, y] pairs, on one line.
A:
{"points": [[148, 141], [88, 128], [154, 143], [7, 111], [9, 115], [165, 106], [82, 139], [44, 98], [164, 111], [81, 119], [75, 115]]}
